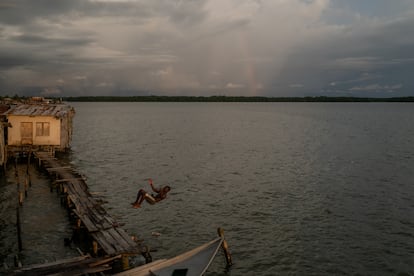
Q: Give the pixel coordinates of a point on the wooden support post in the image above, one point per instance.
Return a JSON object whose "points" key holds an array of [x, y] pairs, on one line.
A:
{"points": [[77, 231], [16, 173], [145, 252], [29, 180], [95, 248], [125, 262], [27, 169], [225, 247], [28, 161], [20, 198], [26, 186], [68, 201], [19, 231]]}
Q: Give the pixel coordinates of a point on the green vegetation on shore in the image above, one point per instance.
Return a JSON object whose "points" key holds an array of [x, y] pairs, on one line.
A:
{"points": [[16, 98], [230, 99]]}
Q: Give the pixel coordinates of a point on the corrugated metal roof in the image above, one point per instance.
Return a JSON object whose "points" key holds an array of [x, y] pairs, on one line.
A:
{"points": [[3, 108], [55, 110]]}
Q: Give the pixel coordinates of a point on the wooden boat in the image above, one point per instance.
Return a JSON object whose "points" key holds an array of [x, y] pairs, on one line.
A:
{"points": [[194, 262]]}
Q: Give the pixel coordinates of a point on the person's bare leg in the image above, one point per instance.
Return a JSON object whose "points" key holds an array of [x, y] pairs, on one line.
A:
{"points": [[140, 198], [150, 199]]}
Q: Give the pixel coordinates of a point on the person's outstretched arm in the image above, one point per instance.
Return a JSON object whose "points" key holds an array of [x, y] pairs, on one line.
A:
{"points": [[152, 186]]}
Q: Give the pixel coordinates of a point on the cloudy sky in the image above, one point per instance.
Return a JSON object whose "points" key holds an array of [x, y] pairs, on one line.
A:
{"points": [[207, 47]]}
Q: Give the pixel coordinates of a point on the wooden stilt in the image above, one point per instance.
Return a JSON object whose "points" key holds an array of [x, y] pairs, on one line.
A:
{"points": [[27, 169], [145, 252], [125, 262], [19, 231], [26, 186], [95, 248], [20, 198], [68, 201], [225, 247]]}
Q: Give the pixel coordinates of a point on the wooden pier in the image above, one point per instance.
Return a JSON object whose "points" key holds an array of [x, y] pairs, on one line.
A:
{"points": [[107, 240], [109, 247], [110, 238]]}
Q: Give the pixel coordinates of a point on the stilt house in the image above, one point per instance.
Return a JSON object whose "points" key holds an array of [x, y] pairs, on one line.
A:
{"points": [[38, 126]]}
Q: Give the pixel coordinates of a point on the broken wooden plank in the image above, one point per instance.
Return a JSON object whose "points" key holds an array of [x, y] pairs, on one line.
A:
{"points": [[119, 238], [87, 222], [104, 243], [104, 261], [133, 246], [68, 179], [52, 169], [75, 266], [53, 265]]}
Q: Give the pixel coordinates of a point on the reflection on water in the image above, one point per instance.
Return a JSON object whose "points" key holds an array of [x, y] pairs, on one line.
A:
{"points": [[44, 223], [302, 189]]}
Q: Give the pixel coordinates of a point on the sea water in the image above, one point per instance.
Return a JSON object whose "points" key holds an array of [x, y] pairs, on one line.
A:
{"points": [[299, 188]]}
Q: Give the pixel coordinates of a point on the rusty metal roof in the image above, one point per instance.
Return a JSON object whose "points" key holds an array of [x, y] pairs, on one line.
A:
{"points": [[55, 110], [3, 108]]}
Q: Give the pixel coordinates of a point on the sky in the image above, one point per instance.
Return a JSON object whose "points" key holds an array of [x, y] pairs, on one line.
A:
{"points": [[277, 48]]}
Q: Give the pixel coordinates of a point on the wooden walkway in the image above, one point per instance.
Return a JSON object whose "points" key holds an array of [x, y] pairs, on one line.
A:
{"points": [[82, 265], [108, 238]]}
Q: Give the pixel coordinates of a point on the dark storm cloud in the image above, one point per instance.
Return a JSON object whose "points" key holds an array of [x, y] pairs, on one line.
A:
{"points": [[372, 59], [8, 61], [43, 40], [229, 47], [39, 50], [19, 12]]}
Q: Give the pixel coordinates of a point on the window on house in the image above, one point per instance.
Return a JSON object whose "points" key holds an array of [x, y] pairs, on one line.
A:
{"points": [[42, 129]]}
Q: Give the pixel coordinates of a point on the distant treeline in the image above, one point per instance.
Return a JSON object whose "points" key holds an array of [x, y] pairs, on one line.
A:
{"points": [[230, 99]]}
